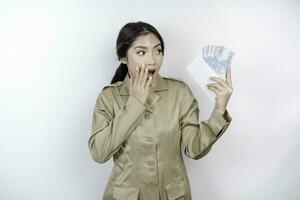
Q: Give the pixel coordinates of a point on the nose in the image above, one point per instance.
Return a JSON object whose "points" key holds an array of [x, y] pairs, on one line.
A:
{"points": [[151, 60]]}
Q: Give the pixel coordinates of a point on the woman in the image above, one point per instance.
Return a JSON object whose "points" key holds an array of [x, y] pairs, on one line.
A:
{"points": [[143, 120]]}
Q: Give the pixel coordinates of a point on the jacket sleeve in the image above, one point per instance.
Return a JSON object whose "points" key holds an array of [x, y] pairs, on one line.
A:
{"points": [[110, 130], [198, 138]]}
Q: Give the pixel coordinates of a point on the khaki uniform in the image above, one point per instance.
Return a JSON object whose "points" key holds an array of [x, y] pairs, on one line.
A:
{"points": [[145, 141]]}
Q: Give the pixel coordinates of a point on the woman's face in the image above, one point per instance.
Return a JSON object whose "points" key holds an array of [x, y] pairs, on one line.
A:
{"points": [[144, 50]]}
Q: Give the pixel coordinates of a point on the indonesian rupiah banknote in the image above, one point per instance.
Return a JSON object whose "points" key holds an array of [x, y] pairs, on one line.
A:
{"points": [[212, 61]]}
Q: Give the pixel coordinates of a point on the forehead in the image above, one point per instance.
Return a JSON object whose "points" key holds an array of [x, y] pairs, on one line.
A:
{"points": [[149, 40]]}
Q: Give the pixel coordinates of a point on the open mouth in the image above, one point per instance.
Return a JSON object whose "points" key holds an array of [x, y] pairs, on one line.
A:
{"points": [[151, 72]]}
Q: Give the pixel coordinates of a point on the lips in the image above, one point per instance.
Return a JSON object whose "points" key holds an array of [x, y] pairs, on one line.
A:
{"points": [[151, 71]]}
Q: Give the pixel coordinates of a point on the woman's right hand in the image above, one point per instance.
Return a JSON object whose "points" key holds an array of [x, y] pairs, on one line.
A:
{"points": [[139, 86]]}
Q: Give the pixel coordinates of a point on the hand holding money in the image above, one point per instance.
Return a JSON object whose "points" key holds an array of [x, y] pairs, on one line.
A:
{"points": [[223, 90]]}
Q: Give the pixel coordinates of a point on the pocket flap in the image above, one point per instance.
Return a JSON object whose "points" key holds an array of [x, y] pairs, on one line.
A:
{"points": [[176, 189], [125, 192]]}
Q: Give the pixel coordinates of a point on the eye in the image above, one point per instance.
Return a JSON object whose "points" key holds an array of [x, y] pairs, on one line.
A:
{"points": [[140, 52], [159, 50]]}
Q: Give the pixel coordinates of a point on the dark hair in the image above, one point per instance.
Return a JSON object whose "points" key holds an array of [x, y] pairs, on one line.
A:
{"points": [[127, 35]]}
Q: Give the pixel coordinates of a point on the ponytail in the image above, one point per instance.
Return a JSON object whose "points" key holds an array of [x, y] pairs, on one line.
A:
{"points": [[120, 73]]}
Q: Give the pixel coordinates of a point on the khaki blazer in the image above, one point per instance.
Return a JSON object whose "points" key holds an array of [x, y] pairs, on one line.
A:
{"points": [[145, 141]]}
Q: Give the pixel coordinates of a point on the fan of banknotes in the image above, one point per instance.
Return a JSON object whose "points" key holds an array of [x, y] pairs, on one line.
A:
{"points": [[213, 61], [218, 58]]}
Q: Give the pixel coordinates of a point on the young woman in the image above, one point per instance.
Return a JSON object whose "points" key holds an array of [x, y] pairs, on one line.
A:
{"points": [[143, 120]]}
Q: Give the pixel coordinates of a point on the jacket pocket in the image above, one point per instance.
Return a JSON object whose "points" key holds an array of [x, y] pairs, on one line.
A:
{"points": [[125, 192], [176, 189]]}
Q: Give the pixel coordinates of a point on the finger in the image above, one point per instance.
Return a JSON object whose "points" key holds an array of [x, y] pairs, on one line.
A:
{"points": [[216, 86], [228, 76], [220, 81], [148, 82], [145, 77], [214, 90], [141, 76], [137, 75]]}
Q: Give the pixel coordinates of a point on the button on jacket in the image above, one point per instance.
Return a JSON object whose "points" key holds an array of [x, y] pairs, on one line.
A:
{"points": [[145, 140]]}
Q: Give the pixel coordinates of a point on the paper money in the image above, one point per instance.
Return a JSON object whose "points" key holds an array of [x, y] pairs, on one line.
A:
{"points": [[212, 61]]}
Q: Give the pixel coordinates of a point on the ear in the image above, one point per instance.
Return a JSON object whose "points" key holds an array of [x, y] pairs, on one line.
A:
{"points": [[123, 60]]}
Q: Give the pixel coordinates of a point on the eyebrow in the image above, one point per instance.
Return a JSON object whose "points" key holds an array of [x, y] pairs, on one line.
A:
{"points": [[143, 47]]}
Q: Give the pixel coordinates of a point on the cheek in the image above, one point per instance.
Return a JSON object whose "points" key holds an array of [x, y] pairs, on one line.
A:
{"points": [[159, 62], [132, 73], [159, 58], [135, 58], [132, 70], [134, 62]]}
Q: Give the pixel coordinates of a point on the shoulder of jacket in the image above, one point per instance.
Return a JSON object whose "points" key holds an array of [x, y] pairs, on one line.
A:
{"points": [[181, 83], [116, 84], [174, 79]]}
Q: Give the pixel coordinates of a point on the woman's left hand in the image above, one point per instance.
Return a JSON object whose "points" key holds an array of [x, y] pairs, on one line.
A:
{"points": [[223, 90]]}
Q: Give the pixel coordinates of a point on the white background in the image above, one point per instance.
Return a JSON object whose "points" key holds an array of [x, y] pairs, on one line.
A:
{"points": [[55, 57]]}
